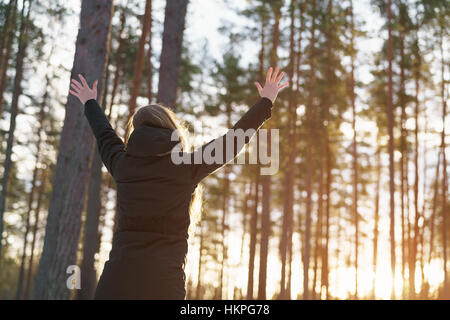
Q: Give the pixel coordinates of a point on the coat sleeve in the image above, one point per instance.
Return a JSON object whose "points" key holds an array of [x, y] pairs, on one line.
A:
{"points": [[251, 121], [110, 146]]}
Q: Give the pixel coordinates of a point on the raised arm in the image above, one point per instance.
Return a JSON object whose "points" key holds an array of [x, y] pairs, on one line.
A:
{"points": [[109, 144], [249, 124]]}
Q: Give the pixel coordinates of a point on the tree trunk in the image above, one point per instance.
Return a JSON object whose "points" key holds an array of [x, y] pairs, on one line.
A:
{"points": [[10, 10], [170, 61], [266, 179], [225, 205], [338, 241], [402, 150], [390, 116], [434, 208], [118, 63], [37, 210], [223, 227], [425, 287], [244, 215], [149, 63], [91, 231], [19, 292], [92, 236], [17, 92], [354, 148], [7, 42], [253, 233], [444, 163], [325, 268], [73, 164], [416, 188], [376, 220], [140, 57], [403, 171], [318, 236], [286, 238], [309, 164], [294, 150]]}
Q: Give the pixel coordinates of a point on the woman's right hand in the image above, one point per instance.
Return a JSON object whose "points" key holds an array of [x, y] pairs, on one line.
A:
{"points": [[82, 90], [271, 87]]}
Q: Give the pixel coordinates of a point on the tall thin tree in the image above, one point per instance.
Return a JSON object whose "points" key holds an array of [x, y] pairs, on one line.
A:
{"points": [[354, 145], [17, 92], [37, 221], [390, 117], [309, 165], [34, 181], [140, 57], [266, 179], [170, 61], [376, 219], [443, 151], [73, 164], [288, 204], [8, 35]]}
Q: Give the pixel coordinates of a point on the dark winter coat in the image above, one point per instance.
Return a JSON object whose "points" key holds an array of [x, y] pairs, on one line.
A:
{"points": [[153, 196]]}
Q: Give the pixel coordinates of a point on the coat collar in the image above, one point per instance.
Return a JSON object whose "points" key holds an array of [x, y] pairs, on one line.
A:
{"points": [[147, 141]]}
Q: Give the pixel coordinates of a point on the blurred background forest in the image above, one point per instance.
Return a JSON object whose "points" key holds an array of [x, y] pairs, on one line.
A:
{"points": [[359, 207]]}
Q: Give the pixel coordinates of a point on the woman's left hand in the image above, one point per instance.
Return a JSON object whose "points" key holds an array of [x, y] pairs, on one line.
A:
{"points": [[272, 87], [82, 90]]}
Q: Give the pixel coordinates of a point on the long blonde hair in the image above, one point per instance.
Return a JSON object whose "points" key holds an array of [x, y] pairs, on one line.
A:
{"points": [[158, 115]]}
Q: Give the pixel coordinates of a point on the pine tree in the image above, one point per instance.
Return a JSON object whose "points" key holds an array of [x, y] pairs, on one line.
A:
{"points": [[72, 169], [170, 61], [17, 92]]}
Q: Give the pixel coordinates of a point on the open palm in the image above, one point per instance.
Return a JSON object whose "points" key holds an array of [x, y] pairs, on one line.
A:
{"points": [[82, 90], [271, 87]]}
